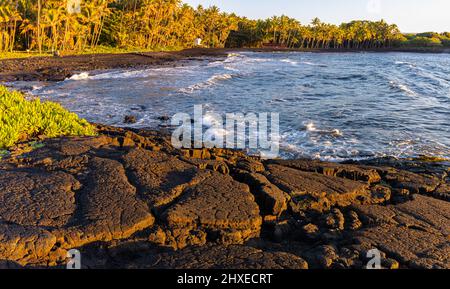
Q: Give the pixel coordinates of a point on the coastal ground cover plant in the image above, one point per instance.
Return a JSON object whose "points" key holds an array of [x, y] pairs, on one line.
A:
{"points": [[22, 119]]}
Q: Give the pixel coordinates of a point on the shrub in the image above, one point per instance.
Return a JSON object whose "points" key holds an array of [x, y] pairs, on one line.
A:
{"points": [[424, 41], [446, 42], [428, 35], [400, 40], [22, 120]]}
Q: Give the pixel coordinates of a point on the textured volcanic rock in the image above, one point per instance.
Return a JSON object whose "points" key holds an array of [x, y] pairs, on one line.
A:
{"points": [[234, 256], [127, 199], [439, 169], [160, 177], [218, 206], [143, 255], [33, 203], [410, 181], [251, 165], [417, 233], [25, 245], [109, 208], [352, 172], [42, 206], [273, 200], [37, 198], [442, 192], [316, 191], [214, 165]]}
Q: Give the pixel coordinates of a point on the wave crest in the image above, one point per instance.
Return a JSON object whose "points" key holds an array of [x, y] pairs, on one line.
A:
{"points": [[402, 87], [81, 76], [212, 81]]}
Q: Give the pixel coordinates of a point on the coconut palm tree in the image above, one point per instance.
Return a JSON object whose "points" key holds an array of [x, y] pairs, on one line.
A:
{"points": [[155, 24]]}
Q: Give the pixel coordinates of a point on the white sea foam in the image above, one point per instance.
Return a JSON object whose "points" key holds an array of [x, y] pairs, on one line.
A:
{"points": [[233, 55], [219, 77], [215, 64], [290, 61], [36, 87], [119, 75], [81, 76], [336, 132], [135, 73], [404, 63], [310, 126], [212, 81], [402, 87], [291, 148], [231, 68], [313, 64]]}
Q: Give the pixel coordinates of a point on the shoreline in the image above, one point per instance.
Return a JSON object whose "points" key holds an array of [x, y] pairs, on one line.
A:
{"points": [[54, 69], [59, 68]]}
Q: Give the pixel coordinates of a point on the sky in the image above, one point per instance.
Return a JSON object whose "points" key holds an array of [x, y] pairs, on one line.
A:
{"points": [[409, 15]]}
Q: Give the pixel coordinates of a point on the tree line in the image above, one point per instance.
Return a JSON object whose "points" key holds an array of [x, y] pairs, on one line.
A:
{"points": [[289, 32], [62, 25]]}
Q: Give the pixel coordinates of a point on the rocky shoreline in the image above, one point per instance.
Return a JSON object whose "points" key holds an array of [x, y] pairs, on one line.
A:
{"points": [[127, 199], [60, 68]]}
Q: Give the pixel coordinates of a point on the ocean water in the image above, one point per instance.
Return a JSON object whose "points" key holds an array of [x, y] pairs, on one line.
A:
{"points": [[332, 106]]}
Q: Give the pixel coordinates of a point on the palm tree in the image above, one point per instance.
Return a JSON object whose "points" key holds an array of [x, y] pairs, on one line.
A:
{"points": [[52, 18], [155, 24], [39, 25]]}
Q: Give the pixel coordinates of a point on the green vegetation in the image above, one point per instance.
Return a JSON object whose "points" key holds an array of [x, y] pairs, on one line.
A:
{"points": [[3, 153], [125, 24], [428, 39], [21, 54], [287, 32], [22, 120], [148, 25], [101, 49]]}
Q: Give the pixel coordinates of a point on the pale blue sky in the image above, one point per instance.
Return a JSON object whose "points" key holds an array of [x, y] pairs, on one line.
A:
{"points": [[409, 15]]}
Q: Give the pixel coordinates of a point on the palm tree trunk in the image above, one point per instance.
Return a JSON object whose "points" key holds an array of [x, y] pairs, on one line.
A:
{"points": [[39, 26]]}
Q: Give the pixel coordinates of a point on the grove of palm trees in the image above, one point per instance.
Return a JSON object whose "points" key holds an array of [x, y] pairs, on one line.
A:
{"points": [[78, 25]]}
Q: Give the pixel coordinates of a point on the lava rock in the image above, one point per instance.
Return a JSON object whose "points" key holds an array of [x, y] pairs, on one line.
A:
{"points": [[130, 119]]}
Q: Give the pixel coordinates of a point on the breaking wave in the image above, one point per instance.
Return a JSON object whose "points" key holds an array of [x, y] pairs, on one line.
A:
{"points": [[212, 81], [402, 88], [291, 62], [404, 63], [313, 64], [81, 76]]}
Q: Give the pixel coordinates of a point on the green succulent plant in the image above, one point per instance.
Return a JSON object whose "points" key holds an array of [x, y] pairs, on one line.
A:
{"points": [[22, 119]]}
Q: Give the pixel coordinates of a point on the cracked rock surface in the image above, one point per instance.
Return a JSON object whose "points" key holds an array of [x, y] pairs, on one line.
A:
{"points": [[127, 199], [417, 232]]}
